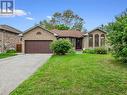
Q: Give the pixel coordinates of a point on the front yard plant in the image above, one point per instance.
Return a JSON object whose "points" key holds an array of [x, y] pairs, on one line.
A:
{"points": [[61, 46], [117, 36], [101, 50], [90, 51], [8, 53], [11, 51], [72, 51], [96, 51], [5, 55]]}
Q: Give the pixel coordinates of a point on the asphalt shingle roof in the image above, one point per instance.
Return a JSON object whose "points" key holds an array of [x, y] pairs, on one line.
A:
{"points": [[68, 33], [10, 29]]}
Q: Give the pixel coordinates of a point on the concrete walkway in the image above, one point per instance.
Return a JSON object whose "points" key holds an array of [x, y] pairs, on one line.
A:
{"points": [[15, 70]]}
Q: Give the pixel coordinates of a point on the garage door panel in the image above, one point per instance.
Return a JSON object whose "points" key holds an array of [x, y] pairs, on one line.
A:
{"points": [[37, 46]]}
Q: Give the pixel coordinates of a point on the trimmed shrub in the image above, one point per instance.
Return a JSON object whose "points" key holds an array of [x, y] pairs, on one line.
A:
{"points": [[11, 51], [100, 51], [61, 46], [90, 51], [95, 51], [71, 51]]}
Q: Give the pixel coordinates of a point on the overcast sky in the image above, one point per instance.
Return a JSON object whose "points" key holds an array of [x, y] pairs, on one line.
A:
{"points": [[94, 12]]}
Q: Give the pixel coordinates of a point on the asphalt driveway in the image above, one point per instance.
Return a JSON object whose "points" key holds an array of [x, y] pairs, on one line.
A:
{"points": [[15, 70]]}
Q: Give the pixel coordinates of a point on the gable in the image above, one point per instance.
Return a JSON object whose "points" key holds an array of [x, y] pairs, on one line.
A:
{"points": [[97, 31], [38, 33], [10, 29]]}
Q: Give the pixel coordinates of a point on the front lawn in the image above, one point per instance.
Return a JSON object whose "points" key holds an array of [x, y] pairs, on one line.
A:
{"points": [[80, 74], [5, 55]]}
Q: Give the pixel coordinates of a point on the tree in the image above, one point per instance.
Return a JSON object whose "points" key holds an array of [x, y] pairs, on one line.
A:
{"points": [[46, 24], [118, 36], [67, 18], [105, 28], [62, 27]]}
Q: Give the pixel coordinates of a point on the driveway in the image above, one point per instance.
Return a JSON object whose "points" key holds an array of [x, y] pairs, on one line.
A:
{"points": [[15, 70]]}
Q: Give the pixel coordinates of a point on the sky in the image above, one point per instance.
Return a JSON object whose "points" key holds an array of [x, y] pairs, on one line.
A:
{"points": [[94, 12]]}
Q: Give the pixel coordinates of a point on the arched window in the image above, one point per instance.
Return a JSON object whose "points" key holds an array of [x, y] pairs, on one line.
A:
{"points": [[96, 40], [102, 40], [90, 40]]}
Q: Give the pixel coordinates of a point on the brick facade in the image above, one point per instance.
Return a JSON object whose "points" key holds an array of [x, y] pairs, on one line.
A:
{"points": [[8, 40]]}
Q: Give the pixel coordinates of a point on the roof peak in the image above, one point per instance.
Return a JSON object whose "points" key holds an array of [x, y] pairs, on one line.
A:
{"points": [[35, 26], [9, 28], [97, 28]]}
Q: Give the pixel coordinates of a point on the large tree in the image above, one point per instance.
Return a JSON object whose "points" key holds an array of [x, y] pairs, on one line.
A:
{"points": [[117, 36], [65, 19], [106, 27]]}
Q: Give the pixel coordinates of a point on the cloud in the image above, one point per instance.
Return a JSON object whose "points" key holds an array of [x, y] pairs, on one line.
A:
{"points": [[29, 13], [49, 17], [17, 12], [29, 18]]}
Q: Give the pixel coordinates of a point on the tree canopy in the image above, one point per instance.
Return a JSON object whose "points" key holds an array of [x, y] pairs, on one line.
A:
{"points": [[63, 21], [117, 36]]}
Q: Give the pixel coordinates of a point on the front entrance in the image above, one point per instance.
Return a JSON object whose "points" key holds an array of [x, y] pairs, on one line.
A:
{"points": [[78, 43]]}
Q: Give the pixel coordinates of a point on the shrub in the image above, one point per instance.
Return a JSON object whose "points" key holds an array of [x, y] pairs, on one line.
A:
{"points": [[71, 51], [100, 51], [91, 51], [95, 51], [11, 51], [61, 46]]}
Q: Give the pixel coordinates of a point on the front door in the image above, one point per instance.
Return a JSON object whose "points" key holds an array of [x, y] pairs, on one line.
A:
{"points": [[19, 47], [78, 43]]}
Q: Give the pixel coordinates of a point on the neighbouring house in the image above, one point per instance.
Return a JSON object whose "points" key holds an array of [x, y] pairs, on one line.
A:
{"points": [[9, 38], [38, 39]]}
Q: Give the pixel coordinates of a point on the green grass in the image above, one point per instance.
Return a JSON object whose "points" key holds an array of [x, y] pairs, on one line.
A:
{"points": [[5, 55], [80, 74]]}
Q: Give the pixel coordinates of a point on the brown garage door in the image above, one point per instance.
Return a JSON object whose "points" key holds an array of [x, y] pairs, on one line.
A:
{"points": [[37, 46]]}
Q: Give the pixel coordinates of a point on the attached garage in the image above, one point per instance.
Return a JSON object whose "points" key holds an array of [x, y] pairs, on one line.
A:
{"points": [[37, 46], [37, 40]]}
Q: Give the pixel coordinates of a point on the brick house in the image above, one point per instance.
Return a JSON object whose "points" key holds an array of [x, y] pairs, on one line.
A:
{"points": [[9, 38], [38, 39]]}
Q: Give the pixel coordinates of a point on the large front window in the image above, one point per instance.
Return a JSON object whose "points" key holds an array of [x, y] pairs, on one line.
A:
{"points": [[102, 40], [96, 40], [73, 41], [90, 40]]}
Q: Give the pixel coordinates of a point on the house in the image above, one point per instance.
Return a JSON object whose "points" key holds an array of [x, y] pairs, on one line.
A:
{"points": [[9, 38], [38, 39]]}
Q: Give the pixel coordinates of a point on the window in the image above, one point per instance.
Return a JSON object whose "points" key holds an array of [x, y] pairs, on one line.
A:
{"points": [[96, 40], [102, 39], [90, 40], [72, 40]]}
